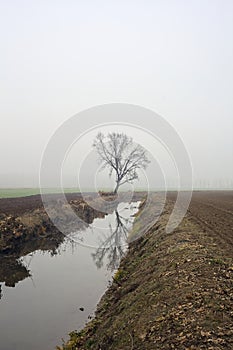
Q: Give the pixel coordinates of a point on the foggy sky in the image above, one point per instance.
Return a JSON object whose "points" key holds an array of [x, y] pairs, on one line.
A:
{"points": [[61, 57]]}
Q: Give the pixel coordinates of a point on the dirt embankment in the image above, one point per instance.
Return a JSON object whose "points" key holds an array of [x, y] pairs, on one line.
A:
{"points": [[20, 205], [172, 291]]}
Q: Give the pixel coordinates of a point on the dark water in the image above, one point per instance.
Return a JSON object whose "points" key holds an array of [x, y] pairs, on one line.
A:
{"points": [[42, 293]]}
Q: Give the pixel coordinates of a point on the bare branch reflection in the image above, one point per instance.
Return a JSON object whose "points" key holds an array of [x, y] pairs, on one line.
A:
{"points": [[114, 245]]}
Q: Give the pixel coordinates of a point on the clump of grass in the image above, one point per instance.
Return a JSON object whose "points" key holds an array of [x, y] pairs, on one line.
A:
{"points": [[216, 261], [119, 275]]}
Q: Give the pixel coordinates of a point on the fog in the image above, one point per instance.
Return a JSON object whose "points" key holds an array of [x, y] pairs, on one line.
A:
{"points": [[59, 58]]}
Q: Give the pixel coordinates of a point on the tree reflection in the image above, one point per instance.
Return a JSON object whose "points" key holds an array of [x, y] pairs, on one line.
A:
{"points": [[114, 245], [12, 271]]}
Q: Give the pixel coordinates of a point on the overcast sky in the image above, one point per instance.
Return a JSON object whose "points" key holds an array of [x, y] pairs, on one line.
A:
{"points": [[60, 57]]}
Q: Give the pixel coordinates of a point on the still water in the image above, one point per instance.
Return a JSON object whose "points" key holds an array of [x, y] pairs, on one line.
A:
{"points": [[41, 300]]}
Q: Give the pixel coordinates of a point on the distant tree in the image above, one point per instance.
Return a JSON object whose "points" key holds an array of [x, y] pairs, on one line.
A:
{"points": [[120, 155]]}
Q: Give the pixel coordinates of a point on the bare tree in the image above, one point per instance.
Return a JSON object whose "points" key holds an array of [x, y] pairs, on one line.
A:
{"points": [[120, 155]]}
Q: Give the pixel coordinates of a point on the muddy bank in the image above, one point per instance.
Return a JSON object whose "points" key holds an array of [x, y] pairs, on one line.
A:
{"points": [[172, 291]]}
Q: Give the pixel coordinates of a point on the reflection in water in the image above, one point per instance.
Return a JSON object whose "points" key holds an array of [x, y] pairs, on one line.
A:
{"points": [[113, 246], [65, 279], [12, 271]]}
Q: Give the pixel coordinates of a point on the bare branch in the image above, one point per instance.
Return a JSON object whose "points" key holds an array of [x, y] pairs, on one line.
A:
{"points": [[118, 153]]}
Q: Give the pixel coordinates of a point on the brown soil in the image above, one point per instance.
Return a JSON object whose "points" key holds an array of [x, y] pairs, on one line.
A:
{"points": [[172, 291], [18, 206]]}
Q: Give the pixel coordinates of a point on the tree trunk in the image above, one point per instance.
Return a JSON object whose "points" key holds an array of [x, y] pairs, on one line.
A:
{"points": [[116, 188]]}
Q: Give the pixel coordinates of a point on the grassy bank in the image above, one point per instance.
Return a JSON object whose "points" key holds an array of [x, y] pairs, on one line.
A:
{"points": [[172, 291]]}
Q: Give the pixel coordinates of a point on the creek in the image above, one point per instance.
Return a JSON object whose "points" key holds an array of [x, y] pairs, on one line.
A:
{"points": [[48, 293]]}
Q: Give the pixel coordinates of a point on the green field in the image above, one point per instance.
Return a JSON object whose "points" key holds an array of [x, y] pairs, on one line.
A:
{"points": [[22, 192]]}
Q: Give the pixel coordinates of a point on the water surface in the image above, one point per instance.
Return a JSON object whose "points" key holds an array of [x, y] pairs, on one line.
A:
{"points": [[42, 293]]}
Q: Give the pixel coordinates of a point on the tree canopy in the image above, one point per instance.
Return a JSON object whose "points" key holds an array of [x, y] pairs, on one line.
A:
{"points": [[121, 156]]}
